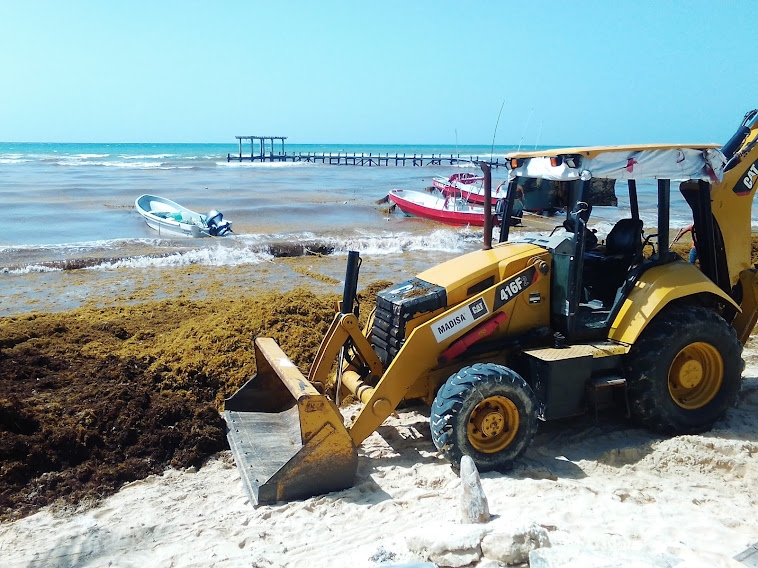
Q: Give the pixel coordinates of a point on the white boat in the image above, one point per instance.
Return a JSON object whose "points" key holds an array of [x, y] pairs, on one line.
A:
{"points": [[166, 216]]}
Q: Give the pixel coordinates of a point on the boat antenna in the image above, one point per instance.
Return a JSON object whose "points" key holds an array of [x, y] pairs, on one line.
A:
{"points": [[494, 134], [539, 135], [457, 153], [525, 127]]}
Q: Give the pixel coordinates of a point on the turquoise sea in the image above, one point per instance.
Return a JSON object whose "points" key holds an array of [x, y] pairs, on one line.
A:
{"points": [[72, 205]]}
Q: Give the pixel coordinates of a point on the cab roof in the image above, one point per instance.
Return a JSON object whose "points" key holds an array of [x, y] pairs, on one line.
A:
{"points": [[646, 161], [592, 151]]}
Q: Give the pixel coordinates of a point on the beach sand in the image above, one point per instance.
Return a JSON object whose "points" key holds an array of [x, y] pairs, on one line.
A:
{"points": [[598, 485]]}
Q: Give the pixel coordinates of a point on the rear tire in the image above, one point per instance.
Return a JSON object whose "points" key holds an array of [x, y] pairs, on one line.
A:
{"points": [[487, 412], [684, 372]]}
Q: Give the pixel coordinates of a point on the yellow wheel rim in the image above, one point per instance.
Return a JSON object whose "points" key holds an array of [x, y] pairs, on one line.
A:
{"points": [[695, 375], [493, 424]]}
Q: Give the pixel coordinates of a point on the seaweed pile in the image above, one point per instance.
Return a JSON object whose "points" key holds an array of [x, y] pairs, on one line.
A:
{"points": [[93, 398]]}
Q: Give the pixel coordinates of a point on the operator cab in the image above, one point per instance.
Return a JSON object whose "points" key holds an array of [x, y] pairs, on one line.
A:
{"points": [[591, 278]]}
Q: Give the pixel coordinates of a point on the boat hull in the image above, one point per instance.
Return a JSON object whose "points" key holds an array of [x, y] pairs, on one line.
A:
{"points": [[443, 209]]}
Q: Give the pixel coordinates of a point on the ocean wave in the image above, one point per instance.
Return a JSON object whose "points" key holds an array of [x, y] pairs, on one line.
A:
{"points": [[234, 251], [219, 256], [74, 162], [235, 163], [86, 246], [13, 160], [149, 156], [366, 241], [215, 256], [441, 240], [31, 269]]}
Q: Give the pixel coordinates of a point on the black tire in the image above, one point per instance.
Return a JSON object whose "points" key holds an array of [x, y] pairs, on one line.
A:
{"points": [[471, 413], [684, 371]]}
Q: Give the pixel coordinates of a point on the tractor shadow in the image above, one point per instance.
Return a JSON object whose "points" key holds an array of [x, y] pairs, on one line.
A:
{"points": [[563, 449]]}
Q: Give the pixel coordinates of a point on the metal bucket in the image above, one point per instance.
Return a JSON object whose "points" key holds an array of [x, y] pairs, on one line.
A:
{"points": [[288, 440]]}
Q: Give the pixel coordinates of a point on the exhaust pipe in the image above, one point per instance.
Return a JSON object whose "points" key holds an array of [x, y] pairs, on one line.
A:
{"points": [[487, 204], [350, 290]]}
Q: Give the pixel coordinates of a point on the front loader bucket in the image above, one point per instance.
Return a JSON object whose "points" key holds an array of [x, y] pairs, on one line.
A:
{"points": [[289, 441]]}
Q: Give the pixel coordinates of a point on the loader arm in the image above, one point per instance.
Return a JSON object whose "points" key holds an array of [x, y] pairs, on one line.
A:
{"points": [[732, 203], [344, 328]]}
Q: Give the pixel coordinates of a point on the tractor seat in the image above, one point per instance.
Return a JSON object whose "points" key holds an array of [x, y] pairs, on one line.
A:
{"points": [[625, 239], [605, 271]]}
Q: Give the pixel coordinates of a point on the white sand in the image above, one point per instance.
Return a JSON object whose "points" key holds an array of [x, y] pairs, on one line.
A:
{"points": [[601, 485]]}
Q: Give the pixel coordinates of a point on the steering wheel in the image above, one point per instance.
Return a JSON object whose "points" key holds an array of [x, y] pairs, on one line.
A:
{"points": [[647, 240]]}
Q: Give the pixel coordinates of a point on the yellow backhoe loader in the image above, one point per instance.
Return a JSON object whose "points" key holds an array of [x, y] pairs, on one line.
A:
{"points": [[529, 329]]}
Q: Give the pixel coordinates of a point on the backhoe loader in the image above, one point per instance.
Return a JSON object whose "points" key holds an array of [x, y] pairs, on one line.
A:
{"points": [[528, 329]]}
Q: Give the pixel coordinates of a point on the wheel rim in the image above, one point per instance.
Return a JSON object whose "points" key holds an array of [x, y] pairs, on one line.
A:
{"points": [[493, 424], [695, 375]]}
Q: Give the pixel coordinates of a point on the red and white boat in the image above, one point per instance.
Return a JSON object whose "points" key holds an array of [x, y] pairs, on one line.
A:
{"points": [[469, 186], [447, 209], [443, 208]]}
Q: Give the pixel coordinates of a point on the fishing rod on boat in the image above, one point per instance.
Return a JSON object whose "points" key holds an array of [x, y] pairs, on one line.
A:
{"points": [[487, 182], [497, 122], [528, 119], [539, 135]]}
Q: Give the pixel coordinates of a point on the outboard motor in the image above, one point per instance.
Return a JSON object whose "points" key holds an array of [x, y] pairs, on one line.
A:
{"points": [[217, 226]]}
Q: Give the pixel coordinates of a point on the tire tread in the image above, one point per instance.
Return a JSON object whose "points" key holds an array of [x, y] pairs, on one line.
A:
{"points": [[450, 400], [647, 406]]}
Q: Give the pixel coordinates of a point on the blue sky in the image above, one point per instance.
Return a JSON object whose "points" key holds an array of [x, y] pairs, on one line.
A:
{"points": [[424, 72]]}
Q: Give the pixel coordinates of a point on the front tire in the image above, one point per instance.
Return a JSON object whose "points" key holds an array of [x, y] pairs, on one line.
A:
{"points": [[684, 372], [487, 412]]}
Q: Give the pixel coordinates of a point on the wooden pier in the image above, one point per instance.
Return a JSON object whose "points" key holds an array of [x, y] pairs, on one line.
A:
{"points": [[267, 154]]}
